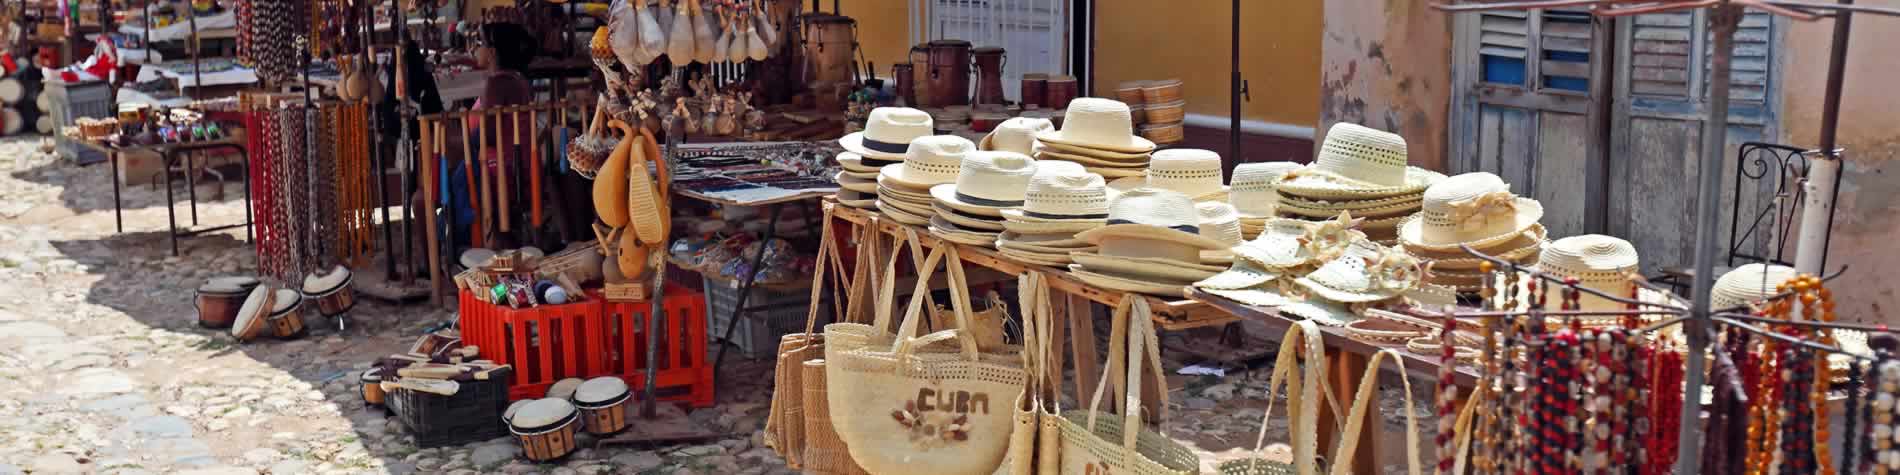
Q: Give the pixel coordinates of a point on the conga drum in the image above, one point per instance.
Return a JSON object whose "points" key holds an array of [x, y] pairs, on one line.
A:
{"points": [[920, 77], [1062, 89], [330, 291], [905, 75], [949, 72], [220, 299], [603, 404], [250, 317], [286, 315], [546, 429], [830, 43], [1035, 90], [990, 61]]}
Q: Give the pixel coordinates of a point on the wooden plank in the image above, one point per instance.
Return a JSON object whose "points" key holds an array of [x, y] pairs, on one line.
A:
{"points": [[1566, 29], [1660, 47], [1058, 340], [1574, 45], [1082, 342], [1489, 127], [1517, 134], [1660, 74], [1656, 60], [1561, 159], [1672, 89], [1656, 33], [1513, 40], [1571, 69], [1662, 156]]}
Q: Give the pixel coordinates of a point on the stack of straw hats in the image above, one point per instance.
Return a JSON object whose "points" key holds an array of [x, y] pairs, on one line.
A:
{"points": [[1100, 135], [885, 140], [1254, 194], [1192, 172], [970, 210], [1476, 210], [1324, 271], [1152, 244], [1061, 201], [1016, 135], [1362, 171], [1602, 263], [903, 189]]}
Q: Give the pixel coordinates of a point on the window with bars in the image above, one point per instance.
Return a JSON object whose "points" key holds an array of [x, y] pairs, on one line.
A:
{"points": [[1033, 32]]}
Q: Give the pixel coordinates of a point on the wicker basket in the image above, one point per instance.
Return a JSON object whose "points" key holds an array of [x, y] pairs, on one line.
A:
{"points": [[1162, 91], [1164, 133], [1167, 113], [572, 262], [1130, 92]]}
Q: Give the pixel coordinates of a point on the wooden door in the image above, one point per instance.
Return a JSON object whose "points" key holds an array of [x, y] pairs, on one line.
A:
{"points": [[1528, 101], [1656, 140]]}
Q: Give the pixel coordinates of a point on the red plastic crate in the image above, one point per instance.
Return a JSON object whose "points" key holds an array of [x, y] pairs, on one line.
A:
{"points": [[684, 373], [594, 338]]}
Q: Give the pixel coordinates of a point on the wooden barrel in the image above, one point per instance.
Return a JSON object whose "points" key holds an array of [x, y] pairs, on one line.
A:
{"points": [[949, 72], [830, 42], [989, 61], [1035, 90]]}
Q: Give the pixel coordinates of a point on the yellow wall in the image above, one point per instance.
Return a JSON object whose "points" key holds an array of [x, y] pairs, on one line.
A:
{"points": [[883, 29], [1189, 39]]}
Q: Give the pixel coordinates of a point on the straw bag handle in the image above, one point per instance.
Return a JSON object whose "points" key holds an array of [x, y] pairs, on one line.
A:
{"points": [[887, 293], [1349, 442], [827, 255], [1033, 296], [865, 270], [907, 341], [1132, 329], [1305, 419]]}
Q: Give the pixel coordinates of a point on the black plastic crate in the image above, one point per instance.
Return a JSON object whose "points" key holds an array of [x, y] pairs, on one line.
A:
{"points": [[473, 414]]}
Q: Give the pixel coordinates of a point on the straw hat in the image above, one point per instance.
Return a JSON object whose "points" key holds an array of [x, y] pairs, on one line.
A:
{"points": [[853, 183], [1157, 216], [1016, 135], [1243, 274], [1126, 283], [1098, 124], [966, 220], [1003, 242], [1598, 262], [1039, 258], [1064, 241], [951, 232], [1193, 172], [932, 160], [987, 183], [1289, 243], [1475, 209], [857, 199], [1366, 272], [924, 209], [901, 216], [1748, 285], [1096, 153], [1138, 161], [1219, 222], [1060, 203], [1254, 192], [857, 166], [1059, 167], [1355, 161], [887, 134], [1524, 248], [1112, 172], [1144, 266]]}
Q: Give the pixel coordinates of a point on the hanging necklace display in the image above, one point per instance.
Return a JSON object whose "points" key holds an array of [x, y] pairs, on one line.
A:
{"points": [[1765, 411], [1636, 361], [1821, 374], [1726, 408], [1886, 459], [1447, 395], [1485, 436], [1850, 437]]}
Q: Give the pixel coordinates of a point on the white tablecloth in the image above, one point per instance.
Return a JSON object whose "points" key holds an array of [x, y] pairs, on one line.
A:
{"points": [[182, 73], [182, 29]]}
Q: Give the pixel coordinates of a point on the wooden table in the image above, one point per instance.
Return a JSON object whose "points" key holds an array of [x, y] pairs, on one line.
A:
{"points": [[1346, 361], [169, 153]]}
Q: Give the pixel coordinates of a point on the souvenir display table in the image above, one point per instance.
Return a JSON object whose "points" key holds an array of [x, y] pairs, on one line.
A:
{"points": [[170, 154]]}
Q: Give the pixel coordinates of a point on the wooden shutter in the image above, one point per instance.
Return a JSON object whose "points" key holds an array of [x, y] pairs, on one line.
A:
{"points": [[1659, 54]]}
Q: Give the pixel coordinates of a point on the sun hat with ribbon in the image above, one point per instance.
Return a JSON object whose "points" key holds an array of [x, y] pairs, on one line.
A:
{"points": [[989, 224], [1366, 272], [1475, 209], [1254, 187], [948, 231], [1017, 134], [857, 199], [1193, 172], [1290, 243], [1058, 203], [1098, 124], [887, 134], [1219, 222], [1355, 161], [1046, 243], [1156, 218], [932, 160], [1144, 284], [1144, 267], [987, 183], [901, 215]]}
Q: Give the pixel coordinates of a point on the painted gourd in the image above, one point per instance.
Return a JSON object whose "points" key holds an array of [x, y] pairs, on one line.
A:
{"points": [[633, 257], [610, 186]]}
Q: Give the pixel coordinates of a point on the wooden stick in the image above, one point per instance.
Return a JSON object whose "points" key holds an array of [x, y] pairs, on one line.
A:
{"points": [[468, 173], [504, 192], [534, 169], [488, 178], [428, 206]]}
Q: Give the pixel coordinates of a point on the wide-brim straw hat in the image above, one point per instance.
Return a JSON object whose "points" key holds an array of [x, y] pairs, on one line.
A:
{"points": [[953, 233], [925, 209], [1522, 249], [1052, 259], [975, 222], [1126, 283], [1155, 215], [1473, 207], [1220, 222], [1143, 267], [1312, 183], [1060, 167], [1110, 172], [857, 199], [1269, 294], [861, 185], [1287, 243], [1361, 157], [860, 166], [1095, 153], [901, 216], [1366, 272], [888, 132], [932, 161], [1139, 161], [1254, 187], [1748, 285], [1064, 241], [1098, 124], [892, 188], [988, 183], [1003, 242], [1598, 262], [1192, 172], [1384, 206], [1018, 134], [1060, 203]]}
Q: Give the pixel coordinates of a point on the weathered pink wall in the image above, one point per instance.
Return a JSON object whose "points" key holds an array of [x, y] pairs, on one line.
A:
{"points": [[1866, 224], [1386, 64]]}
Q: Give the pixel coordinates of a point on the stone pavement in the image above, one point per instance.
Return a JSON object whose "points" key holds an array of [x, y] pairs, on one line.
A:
{"points": [[103, 369]]}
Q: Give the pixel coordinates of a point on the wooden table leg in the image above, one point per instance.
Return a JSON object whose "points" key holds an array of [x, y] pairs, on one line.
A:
{"points": [[1344, 369], [1082, 340], [1058, 339]]}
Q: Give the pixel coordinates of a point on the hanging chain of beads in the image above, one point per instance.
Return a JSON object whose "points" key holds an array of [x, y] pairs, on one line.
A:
{"points": [[1851, 439], [1637, 360], [1511, 379], [1485, 437], [1886, 459], [1819, 300], [1764, 416], [1447, 396], [1797, 428], [1665, 405]]}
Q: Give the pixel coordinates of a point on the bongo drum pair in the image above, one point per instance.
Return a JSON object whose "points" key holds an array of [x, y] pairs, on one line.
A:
{"points": [[219, 300], [269, 311]]}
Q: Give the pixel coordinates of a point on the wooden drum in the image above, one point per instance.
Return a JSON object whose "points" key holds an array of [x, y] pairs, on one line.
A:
{"points": [[220, 299], [905, 76], [603, 404], [949, 77], [330, 291], [286, 316], [250, 317], [1035, 90], [545, 428], [373, 393], [1062, 89], [990, 61], [830, 43]]}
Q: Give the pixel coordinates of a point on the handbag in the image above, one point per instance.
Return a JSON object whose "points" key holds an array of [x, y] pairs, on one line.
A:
{"points": [[1093, 445], [784, 425], [1303, 399], [987, 324], [1368, 384], [918, 404], [825, 452], [1027, 454]]}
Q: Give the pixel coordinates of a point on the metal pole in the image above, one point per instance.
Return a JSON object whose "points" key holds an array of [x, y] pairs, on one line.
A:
{"points": [[1723, 21], [1233, 119], [1822, 189]]}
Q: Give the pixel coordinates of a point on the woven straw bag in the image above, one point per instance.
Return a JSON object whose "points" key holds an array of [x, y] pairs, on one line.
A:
{"points": [[1094, 445], [784, 426], [845, 336], [1303, 400], [1028, 454], [825, 453], [1368, 385], [916, 404], [987, 324]]}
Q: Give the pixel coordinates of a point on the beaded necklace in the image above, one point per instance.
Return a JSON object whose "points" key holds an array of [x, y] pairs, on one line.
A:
{"points": [[1797, 415], [1485, 437], [1447, 396], [1764, 420], [1511, 380], [1886, 460], [1819, 300], [1637, 359], [1665, 401], [1727, 407], [1852, 438]]}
